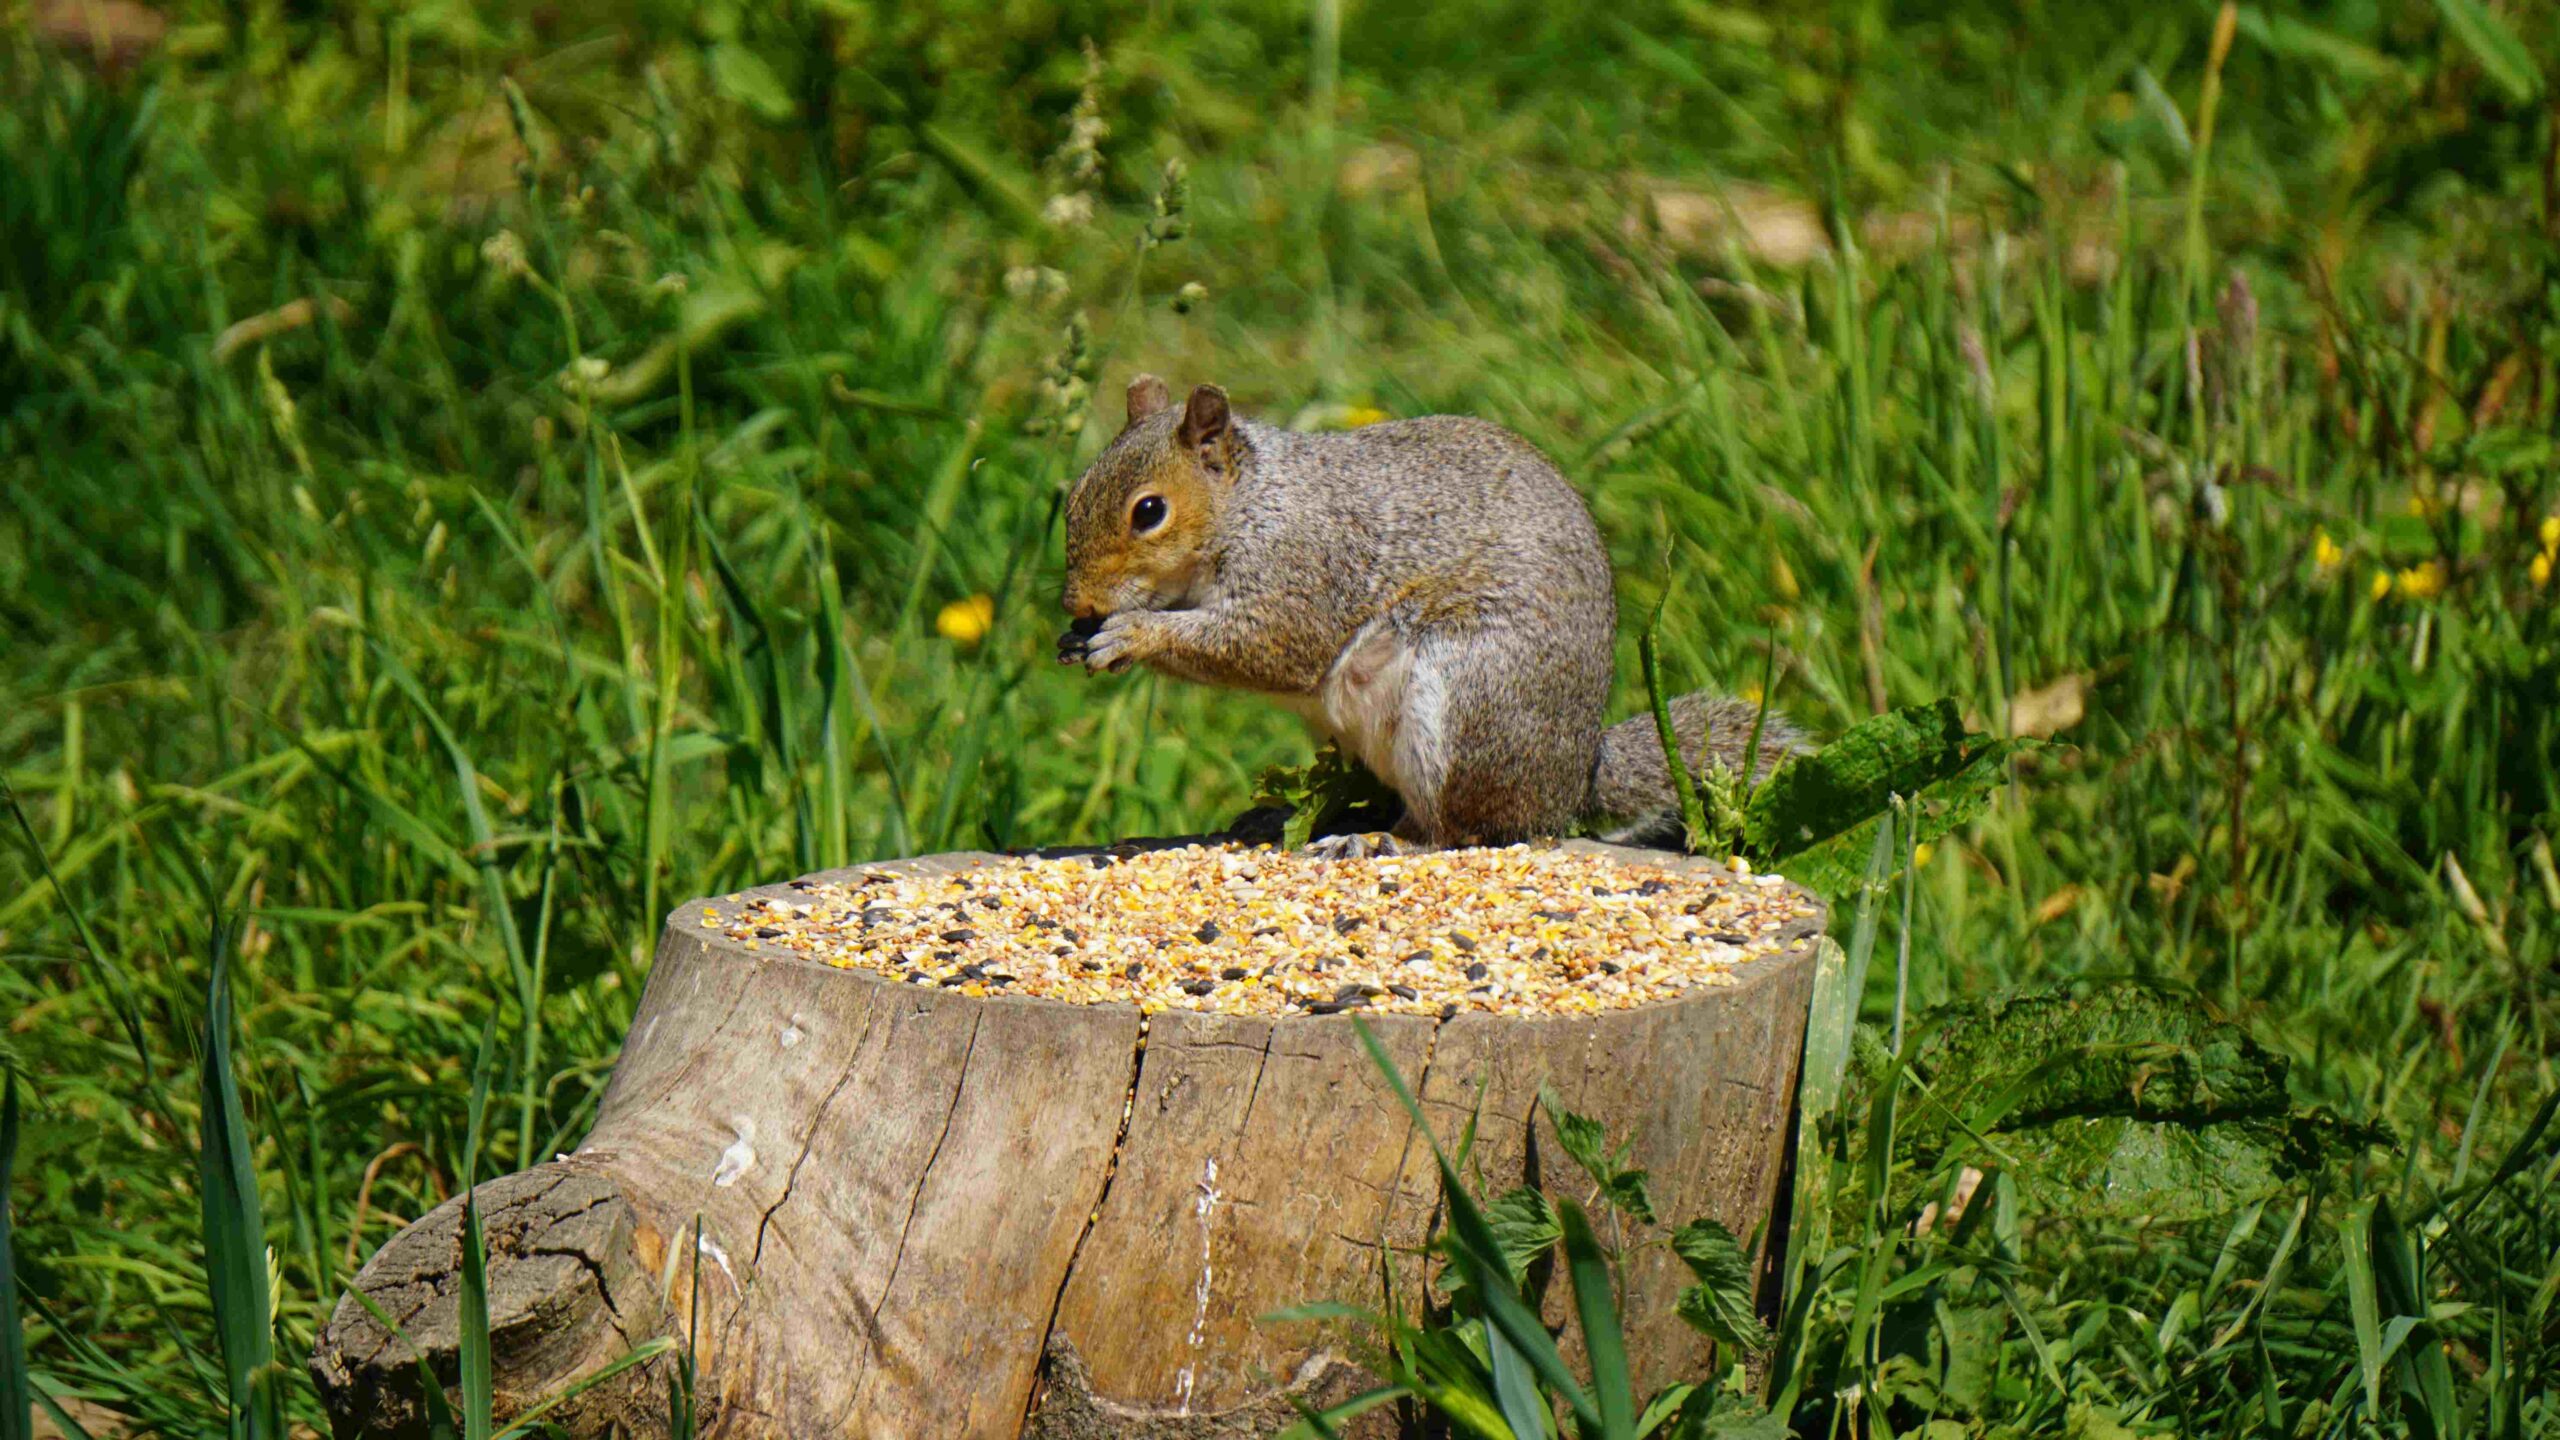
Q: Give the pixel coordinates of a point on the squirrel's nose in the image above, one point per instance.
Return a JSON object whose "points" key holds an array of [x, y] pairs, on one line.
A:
{"points": [[1080, 607]]}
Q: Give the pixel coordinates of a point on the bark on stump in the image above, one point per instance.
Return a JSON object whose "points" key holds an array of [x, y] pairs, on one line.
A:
{"points": [[926, 1215]]}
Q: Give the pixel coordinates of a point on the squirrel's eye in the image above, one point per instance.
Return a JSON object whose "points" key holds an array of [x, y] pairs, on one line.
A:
{"points": [[1147, 514]]}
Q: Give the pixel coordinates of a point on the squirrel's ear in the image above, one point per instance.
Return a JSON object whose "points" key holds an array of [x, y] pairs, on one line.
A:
{"points": [[1147, 395], [1208, 427]]}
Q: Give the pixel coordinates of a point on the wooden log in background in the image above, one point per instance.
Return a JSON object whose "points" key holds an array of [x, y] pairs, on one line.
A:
{"points": [[924, 1214]]}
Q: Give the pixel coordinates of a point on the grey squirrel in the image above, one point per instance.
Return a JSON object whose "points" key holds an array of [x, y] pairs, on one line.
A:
{"points": [[1431, 593]]}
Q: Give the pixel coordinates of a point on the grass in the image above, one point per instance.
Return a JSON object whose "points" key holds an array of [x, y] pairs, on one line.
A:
{"points": [[473, 481]]}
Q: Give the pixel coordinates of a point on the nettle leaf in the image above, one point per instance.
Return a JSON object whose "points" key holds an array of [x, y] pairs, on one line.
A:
{"points": [[1720, 1303], [2122, 1102], [1319, 792], [1588, 1144], [1524, 1226], [1815, 818]]}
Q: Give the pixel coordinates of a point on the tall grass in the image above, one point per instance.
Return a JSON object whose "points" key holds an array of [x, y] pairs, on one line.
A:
{"points": [[447, 628]]}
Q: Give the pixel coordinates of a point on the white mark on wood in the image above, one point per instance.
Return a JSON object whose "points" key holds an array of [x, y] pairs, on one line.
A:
{"points": [[740, 1157], [1204, 1206], [646, 1031], [719, 1257], [791, 1034]]}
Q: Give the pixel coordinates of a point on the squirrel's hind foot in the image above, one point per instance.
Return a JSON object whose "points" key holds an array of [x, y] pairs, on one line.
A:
{"points": [[1365, 846]]}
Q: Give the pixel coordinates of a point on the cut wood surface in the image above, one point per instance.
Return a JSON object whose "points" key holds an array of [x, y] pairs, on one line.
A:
{"points": [[878, 1209]]}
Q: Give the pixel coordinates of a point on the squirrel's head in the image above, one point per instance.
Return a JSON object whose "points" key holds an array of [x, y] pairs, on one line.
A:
{"points": [[1142, 520]]}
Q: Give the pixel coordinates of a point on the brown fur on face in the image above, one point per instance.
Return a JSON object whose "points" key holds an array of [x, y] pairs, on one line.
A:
{"points": [[1181, 455]]}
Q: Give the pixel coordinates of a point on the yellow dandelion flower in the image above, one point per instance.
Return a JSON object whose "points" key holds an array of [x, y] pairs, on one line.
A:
{"points": [[1359, 415], [2325, 553], [1920, 853], [2381, 585], [2540, 569], [2551, 534], [966, 622], [2421, 582]]}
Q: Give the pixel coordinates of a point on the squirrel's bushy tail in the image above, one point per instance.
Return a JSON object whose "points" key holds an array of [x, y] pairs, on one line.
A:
{"points": [[1631, 784]]}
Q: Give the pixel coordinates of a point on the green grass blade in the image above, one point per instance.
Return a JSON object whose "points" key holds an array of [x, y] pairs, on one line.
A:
{"points": [[1602, 1338], [234, 1224], [478, 1383], [1479, 1252], [17, 1398]]}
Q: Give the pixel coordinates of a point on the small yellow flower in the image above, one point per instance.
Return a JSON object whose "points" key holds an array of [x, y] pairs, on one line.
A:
{"points": [[2421, 582], [1920, 854], [966, 622], [2381, 585], [2540, 569], [2424, 506], [2325, 553], [1359, 415], [2551, 534], [1750, 694]]}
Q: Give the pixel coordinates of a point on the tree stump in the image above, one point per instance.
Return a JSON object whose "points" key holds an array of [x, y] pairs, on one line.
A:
{"points": [[924, 1214]]}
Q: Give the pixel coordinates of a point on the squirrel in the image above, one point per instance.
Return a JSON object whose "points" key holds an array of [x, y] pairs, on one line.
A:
{"points": [[1431, 593]]}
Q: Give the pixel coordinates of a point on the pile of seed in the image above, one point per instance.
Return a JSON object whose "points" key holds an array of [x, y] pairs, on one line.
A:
{"points": [[1514, 931]]}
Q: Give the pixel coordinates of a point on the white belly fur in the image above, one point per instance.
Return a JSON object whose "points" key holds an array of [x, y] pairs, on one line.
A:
{"points": [[1383, 702]]}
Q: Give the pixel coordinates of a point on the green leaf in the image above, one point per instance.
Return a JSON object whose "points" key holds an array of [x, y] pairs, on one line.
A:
{"points": [[1720, 1303], [742, 75], [235, 1226], [2504, 57], [1319, 792], [1597, 1309], [1588, 1146], [1524, 1225], [1816, 815]]}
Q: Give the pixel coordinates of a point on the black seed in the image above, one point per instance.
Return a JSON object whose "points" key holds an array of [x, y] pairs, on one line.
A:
{"points": [[1134, 971], [1043, 922], [1652, 887], [1477, 971], [1448, 1011], [949, 981], [917, 977], [1327, 1007], [1388, 887], [1357, 952], [1602, 890], [1199, 987], [1089, 965], [802, 885], [1463, 941], [999, 979], [1344, 925], [1349, 992], [992, 902], [1072, 937], [1729, 937], [1099, 862], [1404, 991], [965, 882], [975, 971], [1609, 967], [959, 937], [1556, 914], [767, 932], [1063, 951], [1418, 955], [1208, 932], [1266, 930], [1165, 943], [1232, 972], [1541, 953], [946, 955], [1694, 907], [879, 915], [1478, 989]]}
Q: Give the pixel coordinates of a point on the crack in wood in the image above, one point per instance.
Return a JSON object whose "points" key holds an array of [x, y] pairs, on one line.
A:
{"points": [[915, 1198], [1092, 1216], [809, 1139]]}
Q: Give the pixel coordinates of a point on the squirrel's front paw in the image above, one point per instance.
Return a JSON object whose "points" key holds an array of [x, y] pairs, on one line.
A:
{"points": [[1072, 644], [1119, 642]]}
